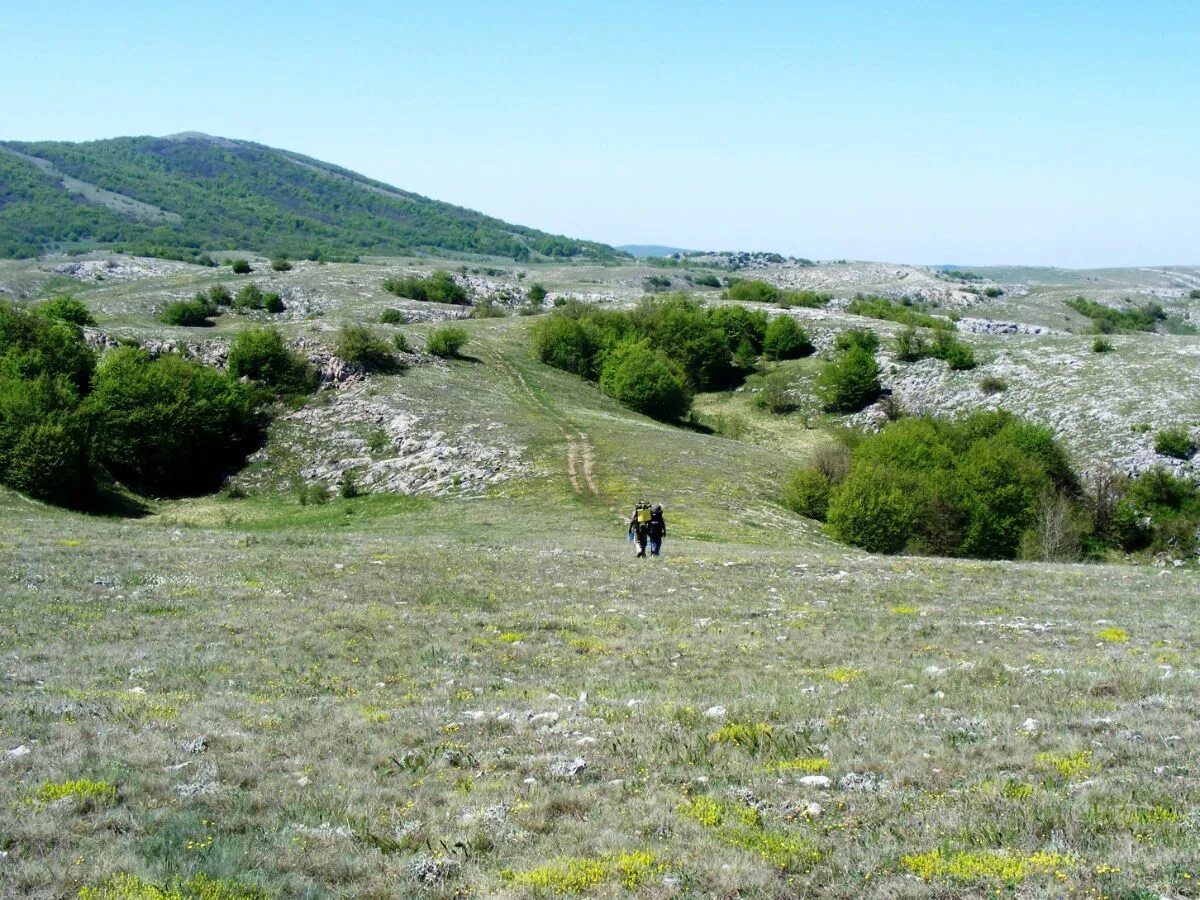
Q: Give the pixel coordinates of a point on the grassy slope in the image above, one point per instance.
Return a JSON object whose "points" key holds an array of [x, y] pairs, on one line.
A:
{"points": [[383, 680], [218, 194]]}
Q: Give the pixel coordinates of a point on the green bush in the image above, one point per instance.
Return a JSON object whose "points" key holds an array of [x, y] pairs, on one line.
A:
{"points": [[753, 292], [809, 299], [168, 426], [990, 385], [196, 313], [392, 317], [1108, 319], [785, 339], [807, 493], [645, 380], [1175, 442], [904, 313], [911, 345], [400, 342], [568, 343], [240, 267], [957, 355], [536, 293], [993, 292], [261, 356], [775, 395], [66, 309], [218, 295], [741, 327], [440, 287], [874, 509], [863, 338], [705, 280], [273, 303], [1194, 294], [360, 345], [850, 382], [683, 330], [280, 264], [446, 341], [1102, 345], [249, 296]]}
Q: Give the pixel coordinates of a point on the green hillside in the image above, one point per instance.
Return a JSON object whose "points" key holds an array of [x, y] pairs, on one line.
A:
{"points": [[182, 195]]}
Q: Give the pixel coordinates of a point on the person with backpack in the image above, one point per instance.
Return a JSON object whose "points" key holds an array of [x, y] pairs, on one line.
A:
{"points": [[656, 529], [639, 527]]}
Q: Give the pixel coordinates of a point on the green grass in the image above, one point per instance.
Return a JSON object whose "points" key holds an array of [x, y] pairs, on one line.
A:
{"points": [[388, 695]]}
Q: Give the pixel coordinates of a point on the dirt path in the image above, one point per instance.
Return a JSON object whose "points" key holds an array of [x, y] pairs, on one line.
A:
{"points": [[581, 455]]}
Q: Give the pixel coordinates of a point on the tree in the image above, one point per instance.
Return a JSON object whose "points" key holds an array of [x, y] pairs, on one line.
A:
{"points": [[261, 356], [850, 382], [66, 309], [645, 380], [785, 339], [362, 346], [537, 293]]}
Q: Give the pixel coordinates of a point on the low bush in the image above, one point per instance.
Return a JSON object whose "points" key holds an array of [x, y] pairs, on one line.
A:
{"points": [[1175, 442], [196, 313], [809, 299], [862, 338], [752, 291], [851, 381], [251, 296], [66, 309], [440, 287], [240, 267], [536, 294], [1102, 345], [393, 317], [1108, 319], [990, 384], [1194, 294], [905, 314], [360, 345], [446, 341], [957, 355], [705, 280], [775, 395], [807, 493], [261, 356], [281, 265], [785, 339]]}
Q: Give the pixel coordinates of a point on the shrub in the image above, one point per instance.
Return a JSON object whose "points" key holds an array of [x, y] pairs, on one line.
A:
{"points": [[281, 264], [536, 294], [488, 308], [874, 510], [66, 309], [741, 327], [261, 356], [1194, 294], [785, 339], [249, 296], [1102, 345], [569, 344], [446, 341], [957, 355], [904, 313], [392, 317], [753, 292], [807, 493], [810, 299], [850, 382], [857, 337], [440, 287], [360, 345], [400, 342], [196, 313], [168, 425], [273, 303], [776, 393], [990, 384], [1175, 442], [682, 329], [240, 267], [1108, 319], [911, 345], [645, 380], [705, 280], [655, 283], [993, 292]]}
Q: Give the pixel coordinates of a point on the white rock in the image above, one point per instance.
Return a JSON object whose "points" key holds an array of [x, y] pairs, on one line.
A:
{"points": [[817, 781], [546, 717], [715, 712], [18, 752], [813, 810], [1031, 726]]}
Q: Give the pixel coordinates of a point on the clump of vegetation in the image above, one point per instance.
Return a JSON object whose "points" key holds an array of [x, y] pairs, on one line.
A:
{"points": [[985, 865], [1102, 345], [168, 426], [261, 356], [199, 887], [360, 345], [392, 317], [1175, 442], [970, 488], [66, 309], [752, 291], [912, 345], [690, 346], [775, 395], [440, 287], [705, 280], [240, 267], [851, 381], [584, 874], [904, 313], [84, 790], [251, 296], [1194, 294], [993, 292], [785, 339], [196, 313], [446, 341], [960, 275], [281, 264], [991, 384], [656, 283], [1110, 320], [536, 294]]}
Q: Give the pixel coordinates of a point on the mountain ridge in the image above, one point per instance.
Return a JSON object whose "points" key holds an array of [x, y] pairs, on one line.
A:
{"points": [[182, 195]]}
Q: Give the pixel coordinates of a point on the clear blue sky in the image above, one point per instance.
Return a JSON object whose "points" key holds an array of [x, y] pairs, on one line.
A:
{"points": [[1050, 132]]}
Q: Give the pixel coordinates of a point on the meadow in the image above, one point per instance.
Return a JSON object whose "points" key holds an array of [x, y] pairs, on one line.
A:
{"points": [[481, 693]]}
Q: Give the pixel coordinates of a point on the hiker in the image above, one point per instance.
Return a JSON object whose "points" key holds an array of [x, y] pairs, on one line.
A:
{"points": [[656, 529], [639, 526]]}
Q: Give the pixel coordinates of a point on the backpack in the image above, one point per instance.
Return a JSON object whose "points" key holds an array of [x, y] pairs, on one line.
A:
{"points": [[643, 513]]}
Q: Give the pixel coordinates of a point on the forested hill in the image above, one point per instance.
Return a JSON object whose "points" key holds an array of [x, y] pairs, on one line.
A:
{"points": [[182, 195]]}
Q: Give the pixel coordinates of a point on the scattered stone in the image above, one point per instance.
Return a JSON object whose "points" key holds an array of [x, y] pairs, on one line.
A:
{"points": [[433, 869], [18, 752], [868, 782], [568, 768], [816, 781], [715, 712]]}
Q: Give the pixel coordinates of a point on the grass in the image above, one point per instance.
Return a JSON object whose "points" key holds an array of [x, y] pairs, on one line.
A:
{"points": [[484, 694]]}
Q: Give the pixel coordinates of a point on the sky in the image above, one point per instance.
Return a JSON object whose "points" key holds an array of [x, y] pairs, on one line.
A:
{"points": [[1038, 133]]}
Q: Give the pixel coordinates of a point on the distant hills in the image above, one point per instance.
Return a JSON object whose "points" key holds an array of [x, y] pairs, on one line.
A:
{"points": [[183, 195], [652, 251]]}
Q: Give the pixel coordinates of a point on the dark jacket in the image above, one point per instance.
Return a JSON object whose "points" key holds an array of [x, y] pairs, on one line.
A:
{"points": [[657, 529]]}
